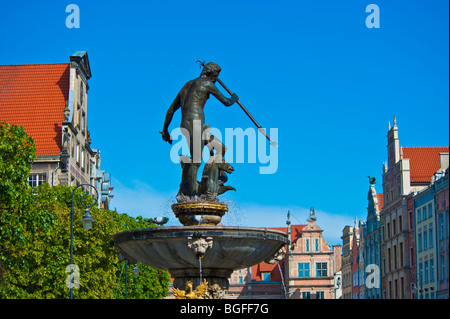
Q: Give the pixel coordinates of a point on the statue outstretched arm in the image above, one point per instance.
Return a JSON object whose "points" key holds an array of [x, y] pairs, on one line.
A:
{"points": [[176, 104], [226, 101]]}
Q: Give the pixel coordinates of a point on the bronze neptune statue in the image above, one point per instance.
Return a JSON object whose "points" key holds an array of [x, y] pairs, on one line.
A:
{"points": [[192, 99]]}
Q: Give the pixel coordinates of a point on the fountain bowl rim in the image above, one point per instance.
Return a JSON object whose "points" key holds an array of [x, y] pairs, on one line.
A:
{"points": [[203, 231]]}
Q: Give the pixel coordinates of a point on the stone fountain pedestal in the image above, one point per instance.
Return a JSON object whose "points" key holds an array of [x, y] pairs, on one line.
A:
{"points": [[209, 213], [193, 253]]}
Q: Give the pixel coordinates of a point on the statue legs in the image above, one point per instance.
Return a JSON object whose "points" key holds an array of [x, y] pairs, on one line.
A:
{"points": [[214, 173], [189, 184]]}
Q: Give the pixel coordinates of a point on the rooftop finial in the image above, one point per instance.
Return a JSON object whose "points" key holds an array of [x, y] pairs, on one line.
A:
{"points": [[312, 214], [395, 120]]}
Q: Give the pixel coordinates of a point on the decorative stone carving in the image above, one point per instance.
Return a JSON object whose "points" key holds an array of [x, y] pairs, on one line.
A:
{"points": [[216, 292], [279, 255], [190, 293], [66, 112], [200, 245]]}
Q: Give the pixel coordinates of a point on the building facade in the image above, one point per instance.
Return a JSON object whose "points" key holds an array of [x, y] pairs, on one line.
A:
{"points": [[310, 269], [355, 264], [425, 240], [442, 235], [50, 102], [409, 169], [396, 186], [405, 235], [372, 242], [347, 244], [412, 245], [431, 236]]}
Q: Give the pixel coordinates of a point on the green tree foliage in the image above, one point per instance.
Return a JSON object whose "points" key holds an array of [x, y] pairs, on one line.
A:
{"points": [[37, 257], [17, 152], [35, 238]]}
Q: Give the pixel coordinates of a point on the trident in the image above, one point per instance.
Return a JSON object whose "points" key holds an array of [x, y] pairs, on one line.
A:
{"points": [[243, 108]]}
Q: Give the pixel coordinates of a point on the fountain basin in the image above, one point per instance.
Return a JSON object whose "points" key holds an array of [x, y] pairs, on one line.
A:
{"points": [[167, 247], [226, 249]]}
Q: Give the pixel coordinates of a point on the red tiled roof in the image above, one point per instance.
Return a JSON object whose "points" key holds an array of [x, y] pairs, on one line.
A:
{"points": [[258, 269], [296, 231], [380, 198], [34, 96], [423, 161]]}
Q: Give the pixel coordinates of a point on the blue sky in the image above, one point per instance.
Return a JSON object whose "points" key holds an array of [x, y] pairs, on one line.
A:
{"points": [[311, 69]]}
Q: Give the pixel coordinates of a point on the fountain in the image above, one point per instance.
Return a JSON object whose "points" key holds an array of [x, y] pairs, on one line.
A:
{"points": [[201, 254]]}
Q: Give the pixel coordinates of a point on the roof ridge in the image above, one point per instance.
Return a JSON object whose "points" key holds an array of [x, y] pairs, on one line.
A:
{"points": [[28, 64]]}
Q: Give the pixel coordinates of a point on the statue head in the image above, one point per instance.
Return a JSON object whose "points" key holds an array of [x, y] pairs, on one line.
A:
{"points": [[210, 68]]}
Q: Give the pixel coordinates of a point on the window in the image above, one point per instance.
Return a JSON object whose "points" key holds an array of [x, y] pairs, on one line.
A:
{"points": [[446, 224], [442, 268], [396, 288], [82, 157], [265, 276], [306, 295], [78, 116], [303, 270], [394, 227], [430, 211], [419, 242], [395, 257], [388, 230], [321, 270], [426, 271], [389, 259], [431, 269], [83, 122], [37, 179], [317, 244], [419, 215], [425, 240], [441, 226], [402, 287], [307, 245], [81, 93], [401, 254], [420, 273], [430, 237], [77, 152], [241, 279], [400, 224], [390, 290], [320, 294]]}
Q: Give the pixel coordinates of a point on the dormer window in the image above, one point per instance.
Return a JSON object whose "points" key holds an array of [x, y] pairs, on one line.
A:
{"points": [[81, 93]]}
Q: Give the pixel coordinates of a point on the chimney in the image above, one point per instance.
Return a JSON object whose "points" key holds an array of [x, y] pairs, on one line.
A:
{"points": [[443, 161]]}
